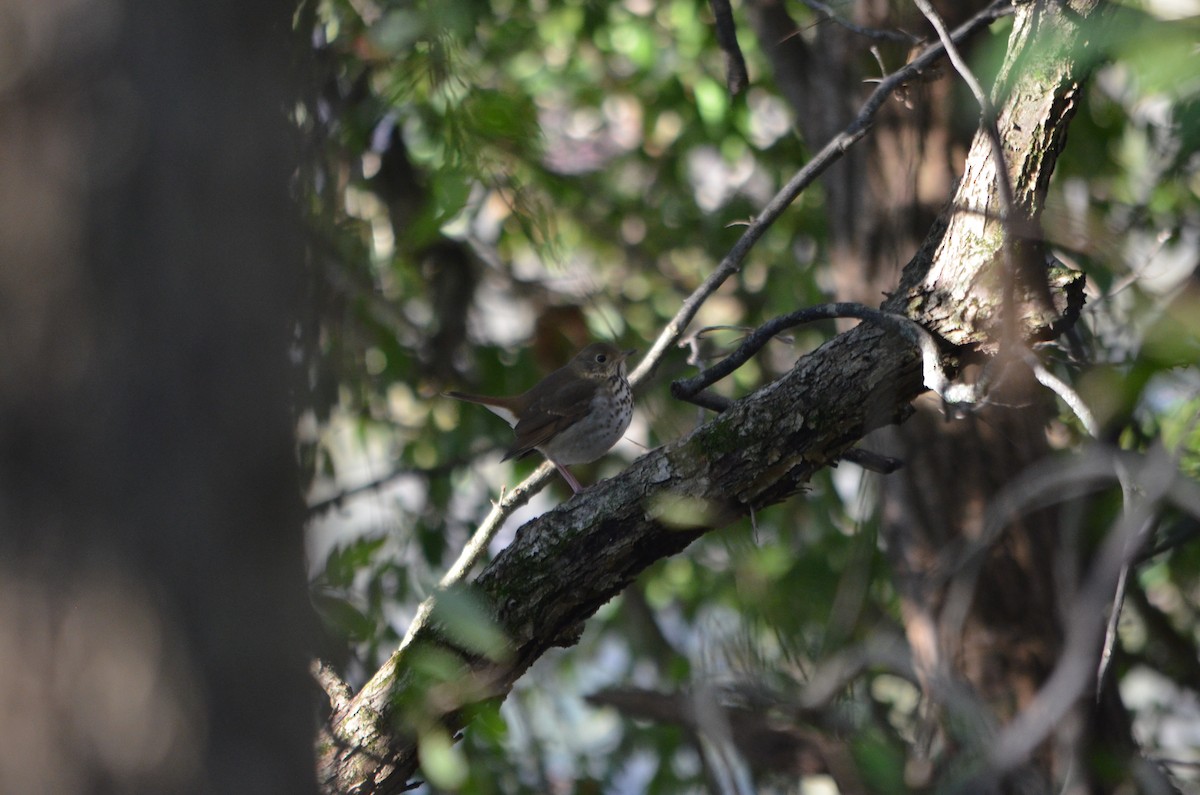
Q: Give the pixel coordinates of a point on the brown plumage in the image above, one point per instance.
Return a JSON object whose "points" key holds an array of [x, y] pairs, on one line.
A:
{"points": [[572, 416]]}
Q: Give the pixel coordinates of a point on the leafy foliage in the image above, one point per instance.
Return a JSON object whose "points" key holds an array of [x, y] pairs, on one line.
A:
{"points": [[495, 182]]}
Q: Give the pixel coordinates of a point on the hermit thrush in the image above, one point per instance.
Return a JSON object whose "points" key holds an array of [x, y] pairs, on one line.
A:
{"points": [[572, 416]]}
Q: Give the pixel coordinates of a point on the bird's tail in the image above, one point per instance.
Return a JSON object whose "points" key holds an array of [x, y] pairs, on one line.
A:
{"points": [[493, 405]]}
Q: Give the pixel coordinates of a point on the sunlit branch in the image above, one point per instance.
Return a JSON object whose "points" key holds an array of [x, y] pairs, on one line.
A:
{"points": [[731, 263], [474, 549], [988, 121], [1064, 391], [335, 687], [829, 154]]}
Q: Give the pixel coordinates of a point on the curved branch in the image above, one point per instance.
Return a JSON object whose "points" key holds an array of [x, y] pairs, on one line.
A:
{"points": [[472, 553], [878, 34], [821, 161], [729, 265], [564, 565], [935, 378]]}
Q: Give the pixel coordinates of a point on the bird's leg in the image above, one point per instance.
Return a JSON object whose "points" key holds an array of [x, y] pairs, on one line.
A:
{"points": [[571, 481]]}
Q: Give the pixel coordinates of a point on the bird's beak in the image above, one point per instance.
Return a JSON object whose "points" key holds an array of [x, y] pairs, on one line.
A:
{"points": [[626, 354]]}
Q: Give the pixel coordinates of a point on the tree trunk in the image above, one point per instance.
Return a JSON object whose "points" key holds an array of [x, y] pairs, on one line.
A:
{"points": [[153, 613], [565, 564]]}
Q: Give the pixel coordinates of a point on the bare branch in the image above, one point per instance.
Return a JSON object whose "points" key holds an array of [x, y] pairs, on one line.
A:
{"points": [[727, 267], [736, 78], [565, 564], [1075, 671], [934, 374], [562, 566], [337, 500], [473, 551], [1154, 477], [334, 686], [1064, 391], [879, 34], [872, 461], [1003, 184], [830, 153]]}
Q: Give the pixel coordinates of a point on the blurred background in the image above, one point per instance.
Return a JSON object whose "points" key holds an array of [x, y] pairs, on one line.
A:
{"points": [[245, 232], [494, 184]]}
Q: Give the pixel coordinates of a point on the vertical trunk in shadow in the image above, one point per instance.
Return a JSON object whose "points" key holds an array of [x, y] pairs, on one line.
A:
{"points": [[153, 611]]}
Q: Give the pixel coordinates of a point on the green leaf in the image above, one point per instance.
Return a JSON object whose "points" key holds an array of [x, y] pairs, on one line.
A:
{"points": [[468, 624], [441, 760], [495, 115], [343, 617], [712, 101], [344, 562]]}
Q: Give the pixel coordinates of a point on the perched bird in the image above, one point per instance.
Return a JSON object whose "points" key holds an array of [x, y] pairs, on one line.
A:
{"points": [[572, 416]]}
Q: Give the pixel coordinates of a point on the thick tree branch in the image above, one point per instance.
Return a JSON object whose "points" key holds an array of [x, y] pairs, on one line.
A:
{"points": [[564, 565], [934, 374], [728, 266], [1037, 91]]}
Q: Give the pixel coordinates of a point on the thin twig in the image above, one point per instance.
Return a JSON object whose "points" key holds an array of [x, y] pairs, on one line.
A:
{"points": [[934, 374], [320, 506], [988, 120], [886, 651], [729, 265], [480, 539], [501, 510], [830, 153], [1064, 391], [1129, 495], [1050, 482], [1137, 541], [870, 460], [987, 110], [1158, 481], [878, 34]]}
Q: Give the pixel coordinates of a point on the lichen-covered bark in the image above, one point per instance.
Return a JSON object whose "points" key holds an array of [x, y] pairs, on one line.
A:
{"points": [[565, 564], [1036, 95], [1010, 635]]}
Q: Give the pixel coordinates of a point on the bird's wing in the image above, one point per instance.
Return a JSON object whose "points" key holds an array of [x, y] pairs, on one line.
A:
{"points": [[562, 402]]}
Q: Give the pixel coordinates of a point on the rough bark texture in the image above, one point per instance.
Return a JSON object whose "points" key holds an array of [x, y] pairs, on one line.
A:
{"points": [[565, 564], [562, 566], [1011, 634], [1037, 93], [937, 501]]}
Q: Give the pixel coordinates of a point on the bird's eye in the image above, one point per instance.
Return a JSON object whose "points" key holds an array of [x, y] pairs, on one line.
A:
{"points": [[601, 358]]}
